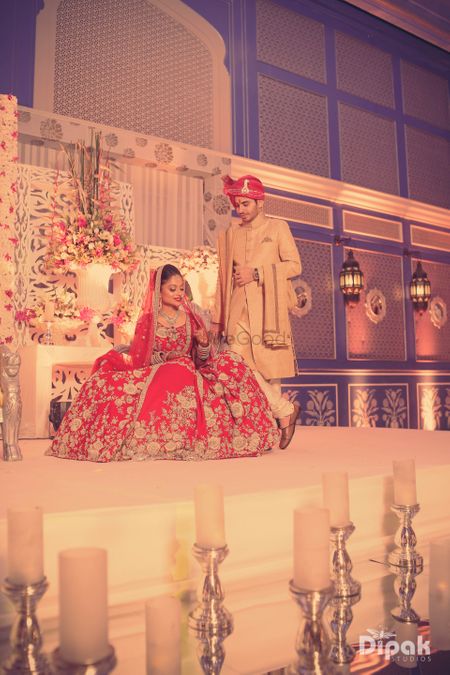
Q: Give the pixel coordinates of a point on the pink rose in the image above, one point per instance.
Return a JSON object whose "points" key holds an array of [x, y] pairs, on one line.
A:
{"points": [[86, 313]]}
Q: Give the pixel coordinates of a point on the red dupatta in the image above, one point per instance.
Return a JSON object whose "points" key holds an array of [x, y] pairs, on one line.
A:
{"points": [[141, 348]]}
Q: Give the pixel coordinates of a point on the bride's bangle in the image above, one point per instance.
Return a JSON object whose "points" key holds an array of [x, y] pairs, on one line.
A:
{"points": [[203, 351]]}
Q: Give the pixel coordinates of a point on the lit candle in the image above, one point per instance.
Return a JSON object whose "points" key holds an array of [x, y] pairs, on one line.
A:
{"points": [[312, 548], [49, 311], [335, 497], [25, 563], [209, 516], [439, 590], [163, 636], [405, 482], [83, 605]]}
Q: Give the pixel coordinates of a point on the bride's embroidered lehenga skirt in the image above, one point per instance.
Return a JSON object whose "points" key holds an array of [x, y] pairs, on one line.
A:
{"points": [[168, 411]]}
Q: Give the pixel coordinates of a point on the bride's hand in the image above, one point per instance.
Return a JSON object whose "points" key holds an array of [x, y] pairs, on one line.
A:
{"points": [[202, 337]]}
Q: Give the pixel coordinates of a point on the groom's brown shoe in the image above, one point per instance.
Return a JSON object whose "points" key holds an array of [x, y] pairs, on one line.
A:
{"points": [[287, 433]]}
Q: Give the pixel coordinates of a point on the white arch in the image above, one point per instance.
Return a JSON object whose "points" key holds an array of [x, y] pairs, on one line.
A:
{"points": [[187, 17]]}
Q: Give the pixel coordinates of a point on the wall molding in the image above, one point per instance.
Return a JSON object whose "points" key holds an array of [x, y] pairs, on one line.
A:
{"points": [[273, 177], [338, 192]]}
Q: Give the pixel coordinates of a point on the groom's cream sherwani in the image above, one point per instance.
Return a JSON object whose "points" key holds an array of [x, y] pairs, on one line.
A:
{"points": [[259, 309]]}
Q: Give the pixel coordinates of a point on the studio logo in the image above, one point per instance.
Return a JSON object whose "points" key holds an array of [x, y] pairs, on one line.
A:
{"points": [[385, 643]]}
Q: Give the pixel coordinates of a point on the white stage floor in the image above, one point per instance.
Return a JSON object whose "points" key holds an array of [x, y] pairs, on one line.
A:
{"points": [[142, 513], [63, 485]]}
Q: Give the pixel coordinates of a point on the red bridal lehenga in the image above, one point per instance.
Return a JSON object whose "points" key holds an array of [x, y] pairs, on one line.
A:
{"points": [[176, 407]]}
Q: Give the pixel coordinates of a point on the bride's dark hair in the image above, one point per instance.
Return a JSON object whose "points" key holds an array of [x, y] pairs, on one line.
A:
{"points": [[168, 272]]}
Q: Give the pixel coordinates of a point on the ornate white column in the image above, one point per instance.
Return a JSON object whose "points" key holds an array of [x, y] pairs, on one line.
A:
{"points": [[8, 189]]}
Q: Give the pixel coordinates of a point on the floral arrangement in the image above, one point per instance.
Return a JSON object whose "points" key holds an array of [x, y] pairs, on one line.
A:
{"points": [[124, 317], [67, 313], [200, 258], [92, 231]]}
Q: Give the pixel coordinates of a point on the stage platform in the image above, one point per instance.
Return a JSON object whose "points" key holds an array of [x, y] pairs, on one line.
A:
{"points": [[142, 513]]}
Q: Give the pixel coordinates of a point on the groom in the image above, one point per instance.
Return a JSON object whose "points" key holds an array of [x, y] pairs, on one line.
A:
{"points": [[257, 259]]}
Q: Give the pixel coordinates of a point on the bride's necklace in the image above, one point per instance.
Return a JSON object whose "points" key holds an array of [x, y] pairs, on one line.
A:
{"points": [[171, 320]]}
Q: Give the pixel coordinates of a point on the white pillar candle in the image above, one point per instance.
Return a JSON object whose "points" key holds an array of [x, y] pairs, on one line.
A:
{"points": [[25, 561], [335, 497], [209, 516], [83, 605], [439, 593], [405, 482], [49, 311], [406, 637], [312, 548], [163, 636]]}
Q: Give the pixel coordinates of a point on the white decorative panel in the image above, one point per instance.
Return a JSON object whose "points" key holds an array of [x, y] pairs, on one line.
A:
{"points": [[364, 70], [131, 65], [172, 205], [425, 95], [290, 41], [428, 166], [372, 226], [298, 211], [293, 127], [421, 236], [67, 380], [368, 149]]}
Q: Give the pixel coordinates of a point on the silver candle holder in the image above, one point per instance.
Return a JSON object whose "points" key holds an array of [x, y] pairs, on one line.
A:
{"points": [[405, 554], [211, 653], [210, 617], [341, 652], [101, 667], [26, 656], [47, 338], [341, 564], [313, 643], [405, 587]]}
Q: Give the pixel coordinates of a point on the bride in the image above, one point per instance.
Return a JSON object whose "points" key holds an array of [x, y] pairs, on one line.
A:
{"points": [[169, 397]]}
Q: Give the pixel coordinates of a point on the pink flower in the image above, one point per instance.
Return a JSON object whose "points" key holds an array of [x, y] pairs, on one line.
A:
{"points": [[82, 222], [21, 315], [86, 313], [9, 293], [117, 240]]}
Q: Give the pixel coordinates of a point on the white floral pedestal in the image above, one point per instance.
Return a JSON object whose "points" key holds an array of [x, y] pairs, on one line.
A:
{"points": [[93, 294]]}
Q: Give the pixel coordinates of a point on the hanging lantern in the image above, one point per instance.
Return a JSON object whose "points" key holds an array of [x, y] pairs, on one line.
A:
{"points": [[351, 280], [420, 289]]}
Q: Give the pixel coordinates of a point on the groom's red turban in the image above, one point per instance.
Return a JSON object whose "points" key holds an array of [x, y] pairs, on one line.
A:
{"points": [[247, 186]]}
